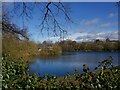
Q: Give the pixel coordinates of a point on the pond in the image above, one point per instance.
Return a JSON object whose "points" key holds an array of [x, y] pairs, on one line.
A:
{"points": [[70, 61]]}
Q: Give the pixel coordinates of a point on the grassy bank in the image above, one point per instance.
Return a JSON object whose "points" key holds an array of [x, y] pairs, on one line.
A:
{"points": [[26, 49], [16, 76], [19, 48]]}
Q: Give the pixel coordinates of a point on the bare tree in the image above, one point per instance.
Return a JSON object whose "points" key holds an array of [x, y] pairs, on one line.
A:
{"points": [[50, 12], [8, 27]]}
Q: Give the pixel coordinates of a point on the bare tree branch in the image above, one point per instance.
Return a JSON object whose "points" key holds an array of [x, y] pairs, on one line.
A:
{"points": [[13, 29], [49, 21], [50, 14]]}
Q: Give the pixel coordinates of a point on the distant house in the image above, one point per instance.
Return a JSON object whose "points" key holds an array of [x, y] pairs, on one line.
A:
{"points": [[39, 49], [46, 46]]}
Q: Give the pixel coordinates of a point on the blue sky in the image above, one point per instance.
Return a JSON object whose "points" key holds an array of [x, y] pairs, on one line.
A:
{"points": [[91, 20]]}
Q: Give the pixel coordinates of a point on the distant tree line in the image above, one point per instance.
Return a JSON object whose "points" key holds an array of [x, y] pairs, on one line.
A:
{"points": [[97, 45]]}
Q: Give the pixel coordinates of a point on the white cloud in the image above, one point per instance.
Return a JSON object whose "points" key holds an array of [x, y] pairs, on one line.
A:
{"points": [[106, 25], [91, 22], [114, 35], [82, 37], [90, 36], [111, 15]]}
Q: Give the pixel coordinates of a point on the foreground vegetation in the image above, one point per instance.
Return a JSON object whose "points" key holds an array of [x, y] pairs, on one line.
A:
{"points": [[16, 76]]}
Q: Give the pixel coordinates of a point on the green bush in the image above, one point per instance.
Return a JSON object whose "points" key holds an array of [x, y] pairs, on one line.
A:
{"points": [[19, 48], [53, 51]]}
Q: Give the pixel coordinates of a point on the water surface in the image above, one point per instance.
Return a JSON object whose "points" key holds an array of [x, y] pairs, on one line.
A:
{"points": [[69, 61]]}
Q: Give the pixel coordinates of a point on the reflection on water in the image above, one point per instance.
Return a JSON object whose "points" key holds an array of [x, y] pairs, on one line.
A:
{"points": [[69, 61]]}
